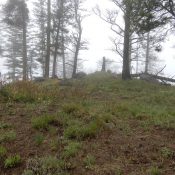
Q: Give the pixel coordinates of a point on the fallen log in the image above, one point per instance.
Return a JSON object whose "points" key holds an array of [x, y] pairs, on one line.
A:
{"points": [[155, 77]]}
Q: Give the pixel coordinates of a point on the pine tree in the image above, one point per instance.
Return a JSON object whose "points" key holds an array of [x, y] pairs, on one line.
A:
{"points": [[40, 23], [16, 15]]}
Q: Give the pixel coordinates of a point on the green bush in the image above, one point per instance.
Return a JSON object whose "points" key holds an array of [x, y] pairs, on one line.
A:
{"points": [[12, 161]]}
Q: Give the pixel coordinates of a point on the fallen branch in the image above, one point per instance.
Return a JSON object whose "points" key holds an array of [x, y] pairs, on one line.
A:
{"points": [[155, 77]]}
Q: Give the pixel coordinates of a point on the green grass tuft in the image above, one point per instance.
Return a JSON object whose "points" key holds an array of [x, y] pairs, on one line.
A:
{"points": [[3, 152], [7, 136], [89, 161], [71, 149], [154, 171], [42, 122], [4, 125], [39, 139], [12, 161], [167, 153], [82, 131]]}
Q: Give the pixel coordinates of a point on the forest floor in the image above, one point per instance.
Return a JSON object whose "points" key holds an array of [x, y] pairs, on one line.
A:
{"points": [[99, 125]]}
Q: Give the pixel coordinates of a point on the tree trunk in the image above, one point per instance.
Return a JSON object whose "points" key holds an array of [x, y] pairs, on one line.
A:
{"points": [[25, 72], [47, 62], [14, 58], [137, 59], [63, 56], [103, 69], [126, 53], [77, 49], [56, 50], [43, 42], [147, 53], [43, 54], [130, 54]]}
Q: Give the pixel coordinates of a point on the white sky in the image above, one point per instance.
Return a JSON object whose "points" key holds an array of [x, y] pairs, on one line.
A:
{"points": [[98, 32]]}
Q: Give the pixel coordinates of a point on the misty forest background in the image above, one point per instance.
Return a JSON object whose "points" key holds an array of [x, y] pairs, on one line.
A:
{"points": [[59, 121], [47, 40]]}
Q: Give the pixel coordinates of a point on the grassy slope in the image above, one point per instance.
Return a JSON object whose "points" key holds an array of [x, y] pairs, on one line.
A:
{"points": [[96, 126]]}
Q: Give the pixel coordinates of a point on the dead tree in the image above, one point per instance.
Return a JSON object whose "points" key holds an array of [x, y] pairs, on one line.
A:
{"points": [[103, 69], [78, 43]]}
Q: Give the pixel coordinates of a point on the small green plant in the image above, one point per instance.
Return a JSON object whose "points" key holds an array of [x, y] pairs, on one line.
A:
{"points": [[52, 130], [28, 172], [39, 139], [63, 118], [81, 132], [166, 152], [50, 162], [4, 125], [118, 171], [49, 165], [8, 136], [3, 151], [71, 108], [89, 161], [54, 145], [71, 149], [12, 161], [42, 122], [154, 171], [24, 91]]}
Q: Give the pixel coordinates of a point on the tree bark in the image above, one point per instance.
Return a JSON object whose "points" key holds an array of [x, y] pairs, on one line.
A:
{"points": [[137, 59], [43, 40], [103, 69], [63, 56], [47, 62], [126, 51], [147, 53], [56, 51], [25, 71], [77, 49]]}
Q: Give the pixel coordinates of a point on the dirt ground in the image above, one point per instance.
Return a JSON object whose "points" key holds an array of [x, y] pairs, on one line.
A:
{"points": [[115, 150]]}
